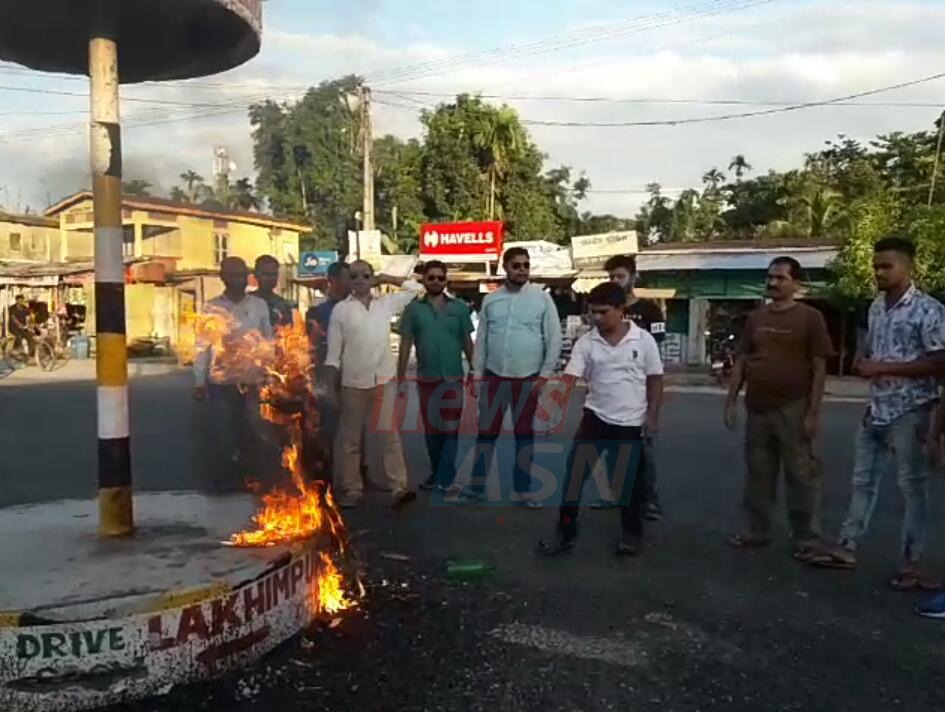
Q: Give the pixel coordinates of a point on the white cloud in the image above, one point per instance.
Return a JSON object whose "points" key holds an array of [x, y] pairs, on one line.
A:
{"points": [[811, 50]]}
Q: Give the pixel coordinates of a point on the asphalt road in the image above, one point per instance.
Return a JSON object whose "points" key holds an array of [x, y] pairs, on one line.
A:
{"points": [[691, 625]]}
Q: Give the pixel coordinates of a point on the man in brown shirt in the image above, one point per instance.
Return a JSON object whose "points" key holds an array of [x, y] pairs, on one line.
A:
{"points": [[782, 357]]}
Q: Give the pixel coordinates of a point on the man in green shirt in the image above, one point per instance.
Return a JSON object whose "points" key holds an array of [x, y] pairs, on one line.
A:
{"points": [[440, 327]]}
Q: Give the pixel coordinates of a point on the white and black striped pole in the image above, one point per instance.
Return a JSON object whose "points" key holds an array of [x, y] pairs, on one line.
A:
{"points": [[116, 516]]}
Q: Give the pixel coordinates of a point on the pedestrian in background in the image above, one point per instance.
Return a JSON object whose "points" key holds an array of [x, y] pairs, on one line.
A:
{"points": [[645, 313], [624, 373], [281, 310], [232, 392], [904, 358], [440, 327], [361, 373], [518, 343], [782, 357]]}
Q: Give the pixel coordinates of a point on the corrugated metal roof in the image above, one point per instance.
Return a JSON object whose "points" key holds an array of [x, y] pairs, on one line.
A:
{"points": [[810, 258]]}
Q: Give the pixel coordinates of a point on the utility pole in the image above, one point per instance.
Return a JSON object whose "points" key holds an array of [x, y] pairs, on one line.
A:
{"points": [[367, 134], [114, 450]]}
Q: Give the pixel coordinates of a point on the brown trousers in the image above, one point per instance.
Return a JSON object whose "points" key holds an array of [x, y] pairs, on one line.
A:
{"points": [[358, 408], [775, 439]]}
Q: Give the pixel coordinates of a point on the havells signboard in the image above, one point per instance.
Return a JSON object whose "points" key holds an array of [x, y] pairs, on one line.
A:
{"points": [[462, 242]]}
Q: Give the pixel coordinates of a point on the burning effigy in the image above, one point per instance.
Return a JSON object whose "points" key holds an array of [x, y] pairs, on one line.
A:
{"points": [[301, 507]]}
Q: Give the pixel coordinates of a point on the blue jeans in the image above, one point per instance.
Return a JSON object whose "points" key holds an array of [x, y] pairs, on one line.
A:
{"points": [[902, 445]]}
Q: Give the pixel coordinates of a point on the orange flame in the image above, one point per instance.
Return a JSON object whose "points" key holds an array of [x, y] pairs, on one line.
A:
{"points": [[301, 509], [328, 594]]}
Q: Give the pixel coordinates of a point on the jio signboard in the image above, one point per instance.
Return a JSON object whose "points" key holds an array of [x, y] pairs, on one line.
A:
{"points": [[462, 242], [315, 264]]}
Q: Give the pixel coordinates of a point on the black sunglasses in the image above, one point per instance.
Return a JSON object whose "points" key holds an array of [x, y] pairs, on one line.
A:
{"points": [[520, 265], [435, 278]]}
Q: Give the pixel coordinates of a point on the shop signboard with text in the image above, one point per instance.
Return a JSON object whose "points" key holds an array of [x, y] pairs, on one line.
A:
{"points": [[593, 250], [462, 242]]}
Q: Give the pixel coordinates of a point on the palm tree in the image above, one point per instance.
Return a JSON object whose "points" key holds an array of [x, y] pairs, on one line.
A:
{"points": [[178, 195], [740, 166], [136, 186], [194, 183], [501, 139], [713, 178], [242, 195]]}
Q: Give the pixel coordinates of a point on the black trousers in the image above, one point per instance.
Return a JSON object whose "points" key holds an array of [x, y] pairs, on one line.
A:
{"points": [[603, 439]]}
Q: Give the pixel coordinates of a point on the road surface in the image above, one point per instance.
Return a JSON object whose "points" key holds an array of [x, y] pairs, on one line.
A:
{"points": [[691, 625]]}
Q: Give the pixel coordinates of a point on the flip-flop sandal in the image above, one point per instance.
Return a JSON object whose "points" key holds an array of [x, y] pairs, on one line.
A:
{"points": [[829, 560], [806, 554], [746, 541], [907, 581]]}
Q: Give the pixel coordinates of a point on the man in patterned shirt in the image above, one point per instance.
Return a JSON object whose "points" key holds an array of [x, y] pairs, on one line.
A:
{"points": [[904, 356]]}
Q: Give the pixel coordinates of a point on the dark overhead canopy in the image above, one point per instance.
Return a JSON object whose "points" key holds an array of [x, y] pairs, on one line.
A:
{"points": [[157, 39]]}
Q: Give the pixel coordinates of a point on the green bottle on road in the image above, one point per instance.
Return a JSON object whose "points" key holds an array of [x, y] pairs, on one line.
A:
{"points": [[468, 570]]}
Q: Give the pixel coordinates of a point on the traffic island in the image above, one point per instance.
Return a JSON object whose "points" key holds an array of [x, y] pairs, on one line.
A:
{"points": [[90, 622]]}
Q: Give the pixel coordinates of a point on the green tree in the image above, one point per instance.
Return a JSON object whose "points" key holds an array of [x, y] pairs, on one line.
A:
{"points": [[136, 186], [194, 187], [500, 138], [713, 178], [307, 157], [739, 166], [399, 203]]}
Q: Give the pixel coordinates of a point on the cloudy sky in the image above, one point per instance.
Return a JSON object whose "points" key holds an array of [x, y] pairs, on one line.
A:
{"points": [[665, 60]]}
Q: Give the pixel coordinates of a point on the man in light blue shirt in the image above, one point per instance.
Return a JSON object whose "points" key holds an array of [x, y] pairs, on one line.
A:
{"points": [[518, 343]]}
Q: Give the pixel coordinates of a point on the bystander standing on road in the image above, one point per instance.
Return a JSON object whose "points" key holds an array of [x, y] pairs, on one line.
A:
{"points": [[782, 357], [440, 327], [232, 391], [518, 343], [22, 326], [624, 373], [935, 607], [904, 358], [281, 310], [622, 269], [318, 452], [361, 363]]}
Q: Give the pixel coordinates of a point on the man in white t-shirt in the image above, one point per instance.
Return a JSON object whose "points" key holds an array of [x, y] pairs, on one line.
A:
{"points": [[621, 364]]}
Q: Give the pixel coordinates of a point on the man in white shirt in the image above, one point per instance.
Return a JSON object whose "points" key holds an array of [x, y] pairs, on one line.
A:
{"points": [[360, 359], [621, 364], [221, 375]]}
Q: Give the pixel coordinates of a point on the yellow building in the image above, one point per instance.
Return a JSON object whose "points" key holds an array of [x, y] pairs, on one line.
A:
{"points": [[173, 252], [28, 238]]}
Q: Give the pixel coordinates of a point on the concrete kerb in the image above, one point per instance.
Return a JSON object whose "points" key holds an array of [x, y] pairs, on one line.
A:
{"points": [[84, 370], [90, 623]]}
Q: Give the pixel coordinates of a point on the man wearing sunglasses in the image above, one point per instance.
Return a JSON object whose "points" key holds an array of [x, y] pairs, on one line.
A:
{"points": [[518, 343], [440, 327], [359, 358]]}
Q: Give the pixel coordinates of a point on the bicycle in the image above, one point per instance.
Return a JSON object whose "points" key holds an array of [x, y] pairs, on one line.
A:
{"points": [[52, 352], [15, 351]]}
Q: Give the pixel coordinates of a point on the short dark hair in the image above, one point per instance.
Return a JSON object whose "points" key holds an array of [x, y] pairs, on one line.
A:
{"points": [[336, 268], [362, 262], [19, 298], [433, 264], [794, 267], [266, 259], [512, 253], [608, 294], [627, 262], [896, 243]]}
